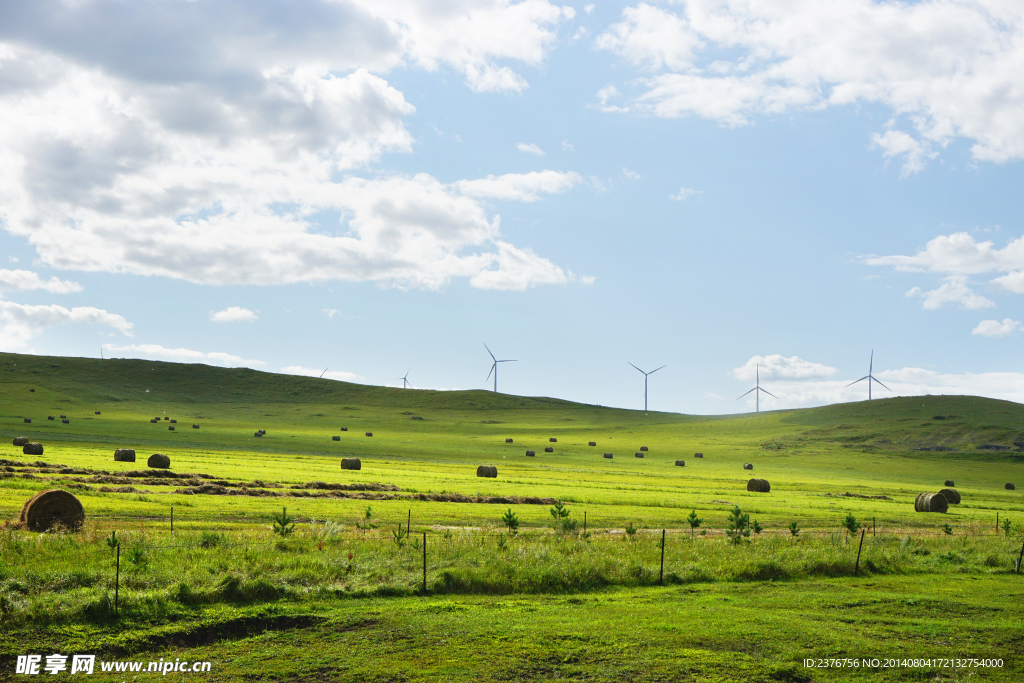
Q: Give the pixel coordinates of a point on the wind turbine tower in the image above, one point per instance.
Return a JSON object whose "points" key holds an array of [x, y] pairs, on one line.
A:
{"points": [[494, 367], [645, 374], [405, 379], [757, 388], [869, 377]]}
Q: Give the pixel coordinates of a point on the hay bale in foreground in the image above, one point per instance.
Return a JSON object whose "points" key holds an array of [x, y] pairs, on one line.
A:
{"points": [[351, 464], [638, 455], [530, 454], [698, 455], [949, 482], [952, 496], [549, 449], [643, 448], [124, 455], [335, 438], [1010, 487], [487, 471], [608, 455], [158, 461], [680, 463], [508, 440], [759, 486], [591, 443], [20, 440], [930, 502], [748, 466], [50, 508], [32, 448]]}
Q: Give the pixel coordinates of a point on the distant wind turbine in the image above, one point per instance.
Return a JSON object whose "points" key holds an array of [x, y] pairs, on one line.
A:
{"points": [[494, 367], [757, 388], [324, 372], [645, 374], [405, 379], [869, 377]]}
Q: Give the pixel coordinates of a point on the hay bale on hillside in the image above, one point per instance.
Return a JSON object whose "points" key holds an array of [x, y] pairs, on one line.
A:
{"points": [[949, 482], [759, 486], [487, 471], [698, 455], [32, 390], [553, 440], [166, 418], [344, 429], [65, 421], [680, 463], [1010, 487], [508, 440], [643, 448], [50, 417], [50, 508], [591, 443], [351, 464], [124, 455], [97, 412], [608, 455], [20, 440], [530, 454], [195, 426], [174, 422], [369, 433], [638, 455], [335, 438], [930, 502], [257, 433], [32, 448], [63, 416], [153, 421], [952, 496], [170, 428], [748, 466], [549, 449], [28, 420], [158, 461]]}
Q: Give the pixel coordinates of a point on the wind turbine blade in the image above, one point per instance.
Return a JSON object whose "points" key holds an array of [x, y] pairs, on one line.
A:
{"points": [[741, 396], [493, 368], [489, 352], [876, 379], [637, 369], [768, 392], [860, 380], [871, 363], [509, 360], [654, 371], [324, 372]]}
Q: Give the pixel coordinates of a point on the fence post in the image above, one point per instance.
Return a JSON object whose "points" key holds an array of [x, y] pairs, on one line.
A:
{"points": [[172, 520], [584, 521], [117, 584], [1020, 557], [424, 561], [872, 526], [997, 524], [408, 525], [856, 567], [661, 574]]}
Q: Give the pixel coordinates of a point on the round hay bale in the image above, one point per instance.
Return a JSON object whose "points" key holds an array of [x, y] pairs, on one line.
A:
{"points": [[638, 455], [195, 426], [952, 496], [487, 471], [257, 433], [63, 416], [174, 422], [369, 433], [20, 440], [949, 482], [698, 455], [759, 486], [508, 440], [680, 463], [32, 390], [344, 429], [335, 438], [66, 421], [748, 466], [1009, 487], [530, 454], [50, 417], [549, 449], [50, 508], [97, 412], [124, 455], [608, 455], [158, 461], [32, 448], [930, 502], [591, 443], [153, 421], [643, 448], [553, 440], [28, 420], [263, 431], [170, 428], [351, 464], [167, 418]]}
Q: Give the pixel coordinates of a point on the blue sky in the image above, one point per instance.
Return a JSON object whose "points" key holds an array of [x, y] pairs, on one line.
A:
{"points": [[376, 187]]}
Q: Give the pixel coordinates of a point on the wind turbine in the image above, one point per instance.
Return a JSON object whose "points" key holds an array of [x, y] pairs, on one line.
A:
{"points": [[869, 377], [405, 379], [645, 374], [494, 367], [757, 388]]}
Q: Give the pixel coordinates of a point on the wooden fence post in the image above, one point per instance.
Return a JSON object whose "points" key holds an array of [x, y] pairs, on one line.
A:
{"points": [[584, 521], [117, 584], [856, 567], [997, 524], [172, 520], [1020, 557], [661, 575], [424, 561]]}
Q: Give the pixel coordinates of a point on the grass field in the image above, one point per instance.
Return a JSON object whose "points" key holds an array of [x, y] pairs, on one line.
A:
{"points": [[550, 602]]}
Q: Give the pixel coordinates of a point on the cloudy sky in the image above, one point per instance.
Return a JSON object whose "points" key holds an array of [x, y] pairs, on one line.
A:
{"points": [[381, 187]]}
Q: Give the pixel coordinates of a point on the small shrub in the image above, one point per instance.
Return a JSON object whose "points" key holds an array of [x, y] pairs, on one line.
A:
{"points": [[947, 529], [738, 527], [630, 530], [694, 521], [212, 539], [510, 520], [283, 524], [794, 529], [851, 525]]}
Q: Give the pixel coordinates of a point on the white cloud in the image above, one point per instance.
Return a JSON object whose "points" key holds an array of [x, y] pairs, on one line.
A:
{"points": [[567, 146], [777, 366], [25, 280], [994, 328], [519, 187], [233, 314], [684, 193], [631, 174], [530, 149], [954, 290], [519, 269], [950, 68], [331, 312], [588, 8], [339, 375], [20, 323], [605, 94], [181, 355]]}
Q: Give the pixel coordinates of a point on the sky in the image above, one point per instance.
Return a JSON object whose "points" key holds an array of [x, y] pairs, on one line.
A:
{"points": [[376, 189]]}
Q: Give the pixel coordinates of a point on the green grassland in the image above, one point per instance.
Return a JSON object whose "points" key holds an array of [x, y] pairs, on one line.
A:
{"points": [[541, 605]]}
